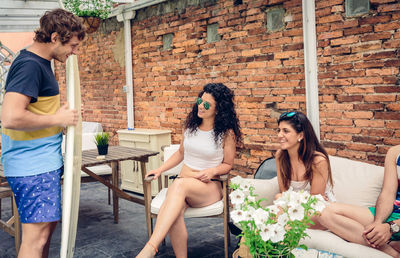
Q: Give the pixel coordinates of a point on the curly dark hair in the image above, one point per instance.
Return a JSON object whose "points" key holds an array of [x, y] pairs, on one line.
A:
{"points": [[309, 145], [225, 118], [61, 21]]}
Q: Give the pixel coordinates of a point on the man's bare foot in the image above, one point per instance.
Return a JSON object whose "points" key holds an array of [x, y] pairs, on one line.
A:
{"points": [[148, 251]]}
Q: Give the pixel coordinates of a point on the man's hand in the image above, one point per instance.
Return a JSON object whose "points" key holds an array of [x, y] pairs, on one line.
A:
{"points": [[66, 117], [377, 234]]}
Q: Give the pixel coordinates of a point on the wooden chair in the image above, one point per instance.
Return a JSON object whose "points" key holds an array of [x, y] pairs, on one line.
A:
{"points": [[218, 209], [13, 225]]}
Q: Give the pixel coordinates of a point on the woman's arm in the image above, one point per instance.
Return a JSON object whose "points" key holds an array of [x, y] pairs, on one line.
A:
{"points": [[227, 163], [173, 161], [320, 172]]}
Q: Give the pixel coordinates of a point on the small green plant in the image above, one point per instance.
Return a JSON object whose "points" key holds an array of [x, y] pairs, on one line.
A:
{"points": [[93, 8], [101, 139]]}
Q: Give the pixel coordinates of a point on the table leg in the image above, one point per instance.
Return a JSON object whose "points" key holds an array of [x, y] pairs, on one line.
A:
{"points": [[147, 197], [115, 182]]}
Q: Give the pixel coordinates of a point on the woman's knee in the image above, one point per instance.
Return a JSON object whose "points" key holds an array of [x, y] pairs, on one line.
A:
{"points": [[179, 186]]}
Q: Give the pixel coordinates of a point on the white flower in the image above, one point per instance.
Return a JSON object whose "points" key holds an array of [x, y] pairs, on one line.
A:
{"points": [[266, 232], [320, 204], [251, 198], [278, 233], [237, 196], [304, 196], [238, 215], [250, 213], [296, 212], [260, 216], [245, 186], [237, 180], [283, 219], [273, 209]]}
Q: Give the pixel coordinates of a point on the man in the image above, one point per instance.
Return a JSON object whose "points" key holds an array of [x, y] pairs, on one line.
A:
{"points": [[376, 226], [32, 123]]}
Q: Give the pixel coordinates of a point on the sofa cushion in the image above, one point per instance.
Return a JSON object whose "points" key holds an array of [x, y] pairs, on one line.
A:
{"points": [[265, 188], [327, 241], [356, 182]]}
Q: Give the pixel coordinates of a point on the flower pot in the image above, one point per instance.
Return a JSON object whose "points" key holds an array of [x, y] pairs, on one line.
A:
{"points": [[91, 23], [102, 149], [243, 252]]}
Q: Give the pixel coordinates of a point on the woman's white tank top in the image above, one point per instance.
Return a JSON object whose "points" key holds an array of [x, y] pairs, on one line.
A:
{"points": [[201, 151]]}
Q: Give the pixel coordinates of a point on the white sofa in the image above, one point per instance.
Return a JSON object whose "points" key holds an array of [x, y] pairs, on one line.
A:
{"points": [[356, 183]]}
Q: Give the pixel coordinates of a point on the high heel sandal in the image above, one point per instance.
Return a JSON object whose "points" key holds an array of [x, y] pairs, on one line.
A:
{"points": [[153, 246]]}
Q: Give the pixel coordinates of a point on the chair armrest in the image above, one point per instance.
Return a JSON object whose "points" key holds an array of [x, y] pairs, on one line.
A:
{"points": [[148, 179]]}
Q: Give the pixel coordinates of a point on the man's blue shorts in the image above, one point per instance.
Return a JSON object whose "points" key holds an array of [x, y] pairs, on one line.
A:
{"points": [[393, 216], [38, 197]]}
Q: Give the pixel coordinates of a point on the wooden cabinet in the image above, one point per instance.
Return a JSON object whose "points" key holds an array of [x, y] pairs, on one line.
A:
{"points": [[149, 139]]}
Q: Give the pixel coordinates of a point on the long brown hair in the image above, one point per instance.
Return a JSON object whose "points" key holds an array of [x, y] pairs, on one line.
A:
{"points": [[309, 146]]}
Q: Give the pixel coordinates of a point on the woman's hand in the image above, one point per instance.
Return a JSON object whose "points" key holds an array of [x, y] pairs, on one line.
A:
{"points": [[155, 172], [205, 175]]}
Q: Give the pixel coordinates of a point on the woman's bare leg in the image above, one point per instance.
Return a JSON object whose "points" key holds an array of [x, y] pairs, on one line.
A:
{"points": [[179, 236], [348, 222], [182, 191]]}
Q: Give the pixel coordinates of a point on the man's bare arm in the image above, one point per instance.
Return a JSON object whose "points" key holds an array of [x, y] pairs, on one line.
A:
{"points": [[15, 115]]}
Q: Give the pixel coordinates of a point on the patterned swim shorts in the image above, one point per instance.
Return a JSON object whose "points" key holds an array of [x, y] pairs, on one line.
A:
{"points": [[38, 197]]}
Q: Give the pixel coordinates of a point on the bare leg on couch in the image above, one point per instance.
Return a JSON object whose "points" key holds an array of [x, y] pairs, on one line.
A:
{"points": [[349, 221]]}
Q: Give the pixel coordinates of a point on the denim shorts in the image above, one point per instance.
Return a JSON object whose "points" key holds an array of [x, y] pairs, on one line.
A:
{"points": [[38, 197]]}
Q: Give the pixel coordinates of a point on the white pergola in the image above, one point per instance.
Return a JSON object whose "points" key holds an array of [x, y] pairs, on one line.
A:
{"points": [[23, 16]]}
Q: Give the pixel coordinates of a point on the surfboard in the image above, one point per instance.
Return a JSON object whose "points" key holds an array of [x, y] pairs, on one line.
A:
{"points": [[72, 164]]}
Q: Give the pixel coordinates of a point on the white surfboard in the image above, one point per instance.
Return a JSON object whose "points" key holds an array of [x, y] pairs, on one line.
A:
{"points": [[72, 164]]}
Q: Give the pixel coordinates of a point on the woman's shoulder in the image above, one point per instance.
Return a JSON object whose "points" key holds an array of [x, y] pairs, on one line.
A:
{"points": [[319, 158]]}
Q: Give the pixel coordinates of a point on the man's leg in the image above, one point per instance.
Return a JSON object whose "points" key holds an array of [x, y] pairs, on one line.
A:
{"points": [[36, 239]]}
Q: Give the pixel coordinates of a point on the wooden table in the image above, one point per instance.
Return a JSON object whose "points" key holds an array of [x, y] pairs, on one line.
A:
{"points": [[114, 156]]}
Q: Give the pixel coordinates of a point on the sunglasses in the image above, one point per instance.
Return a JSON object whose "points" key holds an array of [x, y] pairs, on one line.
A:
{"points": [[287, 114], [206, 105]]}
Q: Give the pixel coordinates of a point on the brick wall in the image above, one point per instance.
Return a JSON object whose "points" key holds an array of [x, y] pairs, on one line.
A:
{"points": [[358, 72]]}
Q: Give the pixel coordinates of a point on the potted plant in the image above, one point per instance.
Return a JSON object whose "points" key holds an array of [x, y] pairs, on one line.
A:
{"points": [[101, 140], [275, 230], [92, 11]]}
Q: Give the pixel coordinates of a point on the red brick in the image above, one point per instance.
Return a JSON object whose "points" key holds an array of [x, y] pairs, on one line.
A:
{"points": [[387, 89], [393, 107], [351, 130], [369, 123], [367, 80], [344, 40], [358, 114], [349, 98], [393, 124], [358, 30], [389, 8], [366, 47], [392, 43], [361, 147], [376, 36]]}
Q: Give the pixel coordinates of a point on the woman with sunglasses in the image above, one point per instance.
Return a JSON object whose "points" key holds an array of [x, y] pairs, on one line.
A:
{"points": [[207, 150], [301, 162]]}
